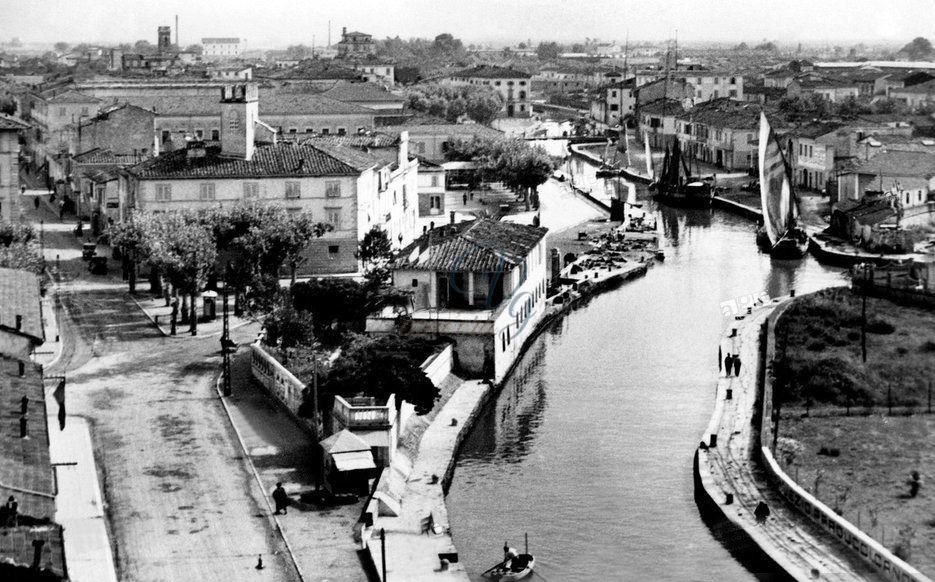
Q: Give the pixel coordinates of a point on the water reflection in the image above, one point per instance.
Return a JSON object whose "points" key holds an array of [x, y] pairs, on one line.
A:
{"points": [[589, 445]]}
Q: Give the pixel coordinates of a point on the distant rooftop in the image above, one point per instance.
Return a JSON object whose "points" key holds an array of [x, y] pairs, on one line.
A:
{"points": [[899, 163], [19, 296], [492, 72], [10, 123]]}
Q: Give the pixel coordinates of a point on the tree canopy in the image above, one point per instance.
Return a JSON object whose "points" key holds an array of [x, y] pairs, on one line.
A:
{"points": [[382, 365], [918, 49], [547, 51], [482, 104], [508, 160]]}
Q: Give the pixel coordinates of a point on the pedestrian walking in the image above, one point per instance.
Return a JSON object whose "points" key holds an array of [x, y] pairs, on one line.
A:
{"points": [[471, 194], [720, 358], [35, 202], [728, 362], [736, 365], [281, 499], [761, 512], [464, 199]]}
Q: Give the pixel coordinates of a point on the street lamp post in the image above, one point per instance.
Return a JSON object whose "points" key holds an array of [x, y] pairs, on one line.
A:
{"points": [[226, 343]]}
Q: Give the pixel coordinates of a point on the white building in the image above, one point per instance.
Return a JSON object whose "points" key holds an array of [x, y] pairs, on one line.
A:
{"points": [[480, 283], [350, 189], [221, 48]]}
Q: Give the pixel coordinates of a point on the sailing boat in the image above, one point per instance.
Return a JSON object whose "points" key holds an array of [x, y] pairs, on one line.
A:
{"points": [[781, 236], [608, 167], [650, 169], [675, 185]]}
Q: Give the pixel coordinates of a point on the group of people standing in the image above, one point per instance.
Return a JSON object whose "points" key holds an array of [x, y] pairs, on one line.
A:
{"points": [[731, 364]]}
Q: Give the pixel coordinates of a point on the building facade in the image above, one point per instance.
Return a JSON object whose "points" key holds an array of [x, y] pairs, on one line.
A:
{"points": [[513, 86], [355, 44], [10, 129], [221, 48]]}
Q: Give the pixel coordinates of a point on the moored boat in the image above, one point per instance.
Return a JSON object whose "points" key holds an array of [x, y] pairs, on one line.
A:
{"points": [[676, 186], [780, 236]]}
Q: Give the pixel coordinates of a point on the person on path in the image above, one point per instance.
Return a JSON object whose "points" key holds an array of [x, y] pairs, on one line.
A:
{"points": [[471, 194], [761, 512], [915, 483], [464, 199], [281, 499], [736, 365], [728, 362]]}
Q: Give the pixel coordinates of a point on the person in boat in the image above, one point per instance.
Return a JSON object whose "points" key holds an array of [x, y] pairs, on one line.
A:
{"points": [[509, 554]]}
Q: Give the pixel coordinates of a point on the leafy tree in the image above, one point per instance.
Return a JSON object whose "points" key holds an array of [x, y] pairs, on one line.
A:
{"points": [[479, 103], [381, 366], [548, 51], [447, 44], [61, 47], [803, 107], [19, 248], [376, 247], [766, 46], [288, 328], [144, 47], [918, 49], [511, 161], [194, 48], [578, 48], [851, 108], [407, 75]]}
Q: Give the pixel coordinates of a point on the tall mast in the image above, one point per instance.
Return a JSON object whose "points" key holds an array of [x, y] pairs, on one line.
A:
{"points": [[626, 57], [676, 49]]}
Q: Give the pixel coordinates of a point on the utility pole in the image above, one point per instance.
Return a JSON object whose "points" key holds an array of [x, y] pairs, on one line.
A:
{"points": [[318, 452], [863, 315], [226, 343]]}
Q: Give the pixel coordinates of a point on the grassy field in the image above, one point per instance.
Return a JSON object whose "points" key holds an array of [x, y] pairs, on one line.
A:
{"points": [[867, 481], [819, 352]]}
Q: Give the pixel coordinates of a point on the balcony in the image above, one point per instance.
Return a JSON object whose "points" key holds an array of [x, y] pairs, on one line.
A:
{"points": [[363, 413]]}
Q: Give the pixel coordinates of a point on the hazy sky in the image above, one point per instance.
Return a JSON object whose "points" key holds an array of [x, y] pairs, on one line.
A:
{"points": [[273, 23]]}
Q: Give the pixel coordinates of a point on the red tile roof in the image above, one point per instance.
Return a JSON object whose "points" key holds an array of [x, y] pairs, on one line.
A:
{"points": [[482, 245], [492, 72]]}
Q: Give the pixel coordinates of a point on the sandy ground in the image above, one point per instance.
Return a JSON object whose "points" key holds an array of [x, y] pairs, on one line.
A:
{"points": [[867, 482]]}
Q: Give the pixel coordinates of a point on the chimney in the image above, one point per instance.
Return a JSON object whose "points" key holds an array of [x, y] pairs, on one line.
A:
{"points": [[343, 32], [239, 114], [403, 149]]}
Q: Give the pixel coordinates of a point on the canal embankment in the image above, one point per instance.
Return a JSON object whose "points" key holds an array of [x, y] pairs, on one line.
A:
{"points": [[735, 472], [410, 524]]}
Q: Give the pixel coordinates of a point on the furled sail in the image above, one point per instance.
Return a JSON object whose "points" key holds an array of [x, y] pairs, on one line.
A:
{"points": [[650, 170], [776, 195]]}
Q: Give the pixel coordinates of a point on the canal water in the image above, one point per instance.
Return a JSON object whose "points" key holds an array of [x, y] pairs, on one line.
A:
{"points": [[589, 446]]}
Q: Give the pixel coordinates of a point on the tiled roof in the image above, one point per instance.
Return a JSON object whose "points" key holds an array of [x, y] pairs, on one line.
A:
{"points": [[221, 39], [419, 126], [105, 156], [360, 140], [10, 123], [492, 72], [662, 107], [813, 130], [927, 87], [310, 70], [19, 295], [348, 91], [286, 102], [282, 159], [481, 245], [72, 97], [899, 163], [726, 113]]}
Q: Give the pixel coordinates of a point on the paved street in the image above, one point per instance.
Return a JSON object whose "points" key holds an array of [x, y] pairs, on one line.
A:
{"points": [[181, 502]]}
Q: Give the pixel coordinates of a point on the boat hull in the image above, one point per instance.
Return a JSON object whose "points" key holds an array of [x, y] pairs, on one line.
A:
{"points": [[790, 247], [509, 575]]}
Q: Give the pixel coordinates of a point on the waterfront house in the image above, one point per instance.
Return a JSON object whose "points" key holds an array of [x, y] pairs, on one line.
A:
{"points": [[513, 86], [375, 423], [658, 121], [722, 132], [908, 174], [480, 283], [811, 152], [347, 463], [614, 103]]}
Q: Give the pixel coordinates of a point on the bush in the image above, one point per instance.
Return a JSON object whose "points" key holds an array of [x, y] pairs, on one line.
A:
{"points": [[817, 346], [927, 347], [880, 326]]}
